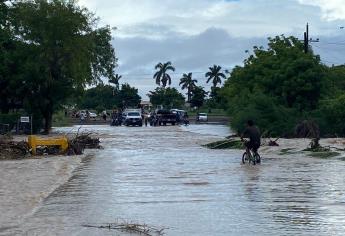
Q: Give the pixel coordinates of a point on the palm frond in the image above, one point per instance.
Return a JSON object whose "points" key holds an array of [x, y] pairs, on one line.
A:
{"points": [[170, 68], [159, 66], [208, 74], [222, 75]]}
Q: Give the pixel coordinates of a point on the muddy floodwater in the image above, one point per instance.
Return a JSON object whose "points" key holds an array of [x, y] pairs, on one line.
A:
{"points": [[163, 177]]}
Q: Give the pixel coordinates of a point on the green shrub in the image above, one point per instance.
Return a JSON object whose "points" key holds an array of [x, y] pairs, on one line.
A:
{"points": [[60, 120], [272, 119], [331, 116], [11, 119]]}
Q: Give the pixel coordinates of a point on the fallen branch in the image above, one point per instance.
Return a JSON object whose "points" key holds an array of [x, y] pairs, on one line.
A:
{"points": [[77, 145], [273, 143], [141, 229]]}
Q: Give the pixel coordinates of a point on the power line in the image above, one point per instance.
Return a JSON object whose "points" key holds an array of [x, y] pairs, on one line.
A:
{"points": [[340, 44], [332, 62]]}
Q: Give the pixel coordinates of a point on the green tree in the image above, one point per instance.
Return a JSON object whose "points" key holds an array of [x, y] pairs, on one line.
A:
{"points": [[334, 84], [188, 83], [167, 97], [69, 52], [198, 97], [8, 70], [276, 87], [127, 96], [99, 96], [162, 76], [215, 75], [331, 116], [102, 97]]}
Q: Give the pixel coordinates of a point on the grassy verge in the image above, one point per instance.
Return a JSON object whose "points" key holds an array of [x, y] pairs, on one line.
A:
{"points": [[288, 151], [225, 144], [324, 155], [60, 120]]}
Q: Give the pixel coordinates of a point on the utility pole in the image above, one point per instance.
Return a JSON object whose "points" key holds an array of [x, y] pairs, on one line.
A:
{"points": [[308, 40]]}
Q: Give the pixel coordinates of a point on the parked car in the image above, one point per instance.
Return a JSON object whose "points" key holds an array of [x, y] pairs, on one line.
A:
{"points": [[84, 113], [179, 115], [165, 117], [133, 118], [93, 115], [202, 117]]}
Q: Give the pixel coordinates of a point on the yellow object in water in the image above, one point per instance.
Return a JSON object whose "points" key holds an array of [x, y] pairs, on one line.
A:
{"points": [[34, 141]]}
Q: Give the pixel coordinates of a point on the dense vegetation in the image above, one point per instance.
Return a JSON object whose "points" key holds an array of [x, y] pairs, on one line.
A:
{"points": [[107, 97], [280, 86], [49, 51], [167, 97]]}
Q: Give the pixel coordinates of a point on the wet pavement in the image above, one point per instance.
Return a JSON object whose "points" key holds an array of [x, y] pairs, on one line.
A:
{"points": [[163, 177]]}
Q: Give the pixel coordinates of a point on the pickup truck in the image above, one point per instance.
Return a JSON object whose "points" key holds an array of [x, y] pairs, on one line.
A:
{"points": [[165, 117], [133, 118]]}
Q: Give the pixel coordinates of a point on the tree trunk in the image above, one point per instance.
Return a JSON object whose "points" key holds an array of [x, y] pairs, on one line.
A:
{"points": [[48, 117], [5, 109]]}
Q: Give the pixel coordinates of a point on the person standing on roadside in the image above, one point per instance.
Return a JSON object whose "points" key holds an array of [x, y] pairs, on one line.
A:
{"points": [[87, 115], [104, 115], [146, 118], [82, 118]]}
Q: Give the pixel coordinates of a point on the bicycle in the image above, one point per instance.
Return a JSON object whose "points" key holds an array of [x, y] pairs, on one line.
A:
{"points": [[250, 156]]}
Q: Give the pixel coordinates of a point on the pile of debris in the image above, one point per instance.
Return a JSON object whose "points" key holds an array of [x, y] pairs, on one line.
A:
{"points": [[13, 150], [80, 142], [18, 150]]}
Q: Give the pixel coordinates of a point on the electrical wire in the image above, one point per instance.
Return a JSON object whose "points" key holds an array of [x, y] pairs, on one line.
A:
{"points": [[331, 62]]}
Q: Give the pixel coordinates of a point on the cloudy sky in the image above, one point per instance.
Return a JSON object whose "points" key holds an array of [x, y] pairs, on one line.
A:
{"points": [[195, 34]]}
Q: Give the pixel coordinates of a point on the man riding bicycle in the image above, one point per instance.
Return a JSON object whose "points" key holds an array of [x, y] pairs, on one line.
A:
{"points": [[253, 133]]}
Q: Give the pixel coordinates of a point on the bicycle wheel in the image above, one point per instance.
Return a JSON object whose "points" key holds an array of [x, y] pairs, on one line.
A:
{"points": [[244, 158], [257, 158], [252, 160]]}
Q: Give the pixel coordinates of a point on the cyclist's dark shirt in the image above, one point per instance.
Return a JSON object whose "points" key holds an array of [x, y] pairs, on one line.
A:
{"points": [[253, 133]]}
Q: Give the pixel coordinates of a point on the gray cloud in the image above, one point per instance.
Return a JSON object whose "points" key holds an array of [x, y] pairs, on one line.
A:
{"points": [[197, 34], [138, 56]]}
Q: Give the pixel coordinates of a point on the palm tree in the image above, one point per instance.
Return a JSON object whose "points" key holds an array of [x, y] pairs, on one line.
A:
{"points": [[115, 80], [188, 83], [215, 75], [161, 75]]}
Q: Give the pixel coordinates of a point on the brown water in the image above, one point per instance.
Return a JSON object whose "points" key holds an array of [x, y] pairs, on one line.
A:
{"points": [[163, 177]]}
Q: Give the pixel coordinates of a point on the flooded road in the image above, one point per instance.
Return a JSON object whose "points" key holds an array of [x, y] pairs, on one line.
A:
{"points": [[163, 177]]}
